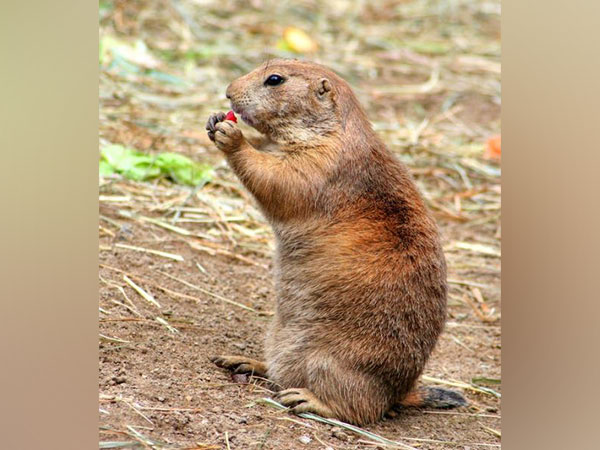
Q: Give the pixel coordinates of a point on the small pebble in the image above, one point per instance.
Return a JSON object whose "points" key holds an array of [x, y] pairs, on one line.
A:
{"points": [[119, 380], [305, 439], [338, 433], [240, 345], [240, 378]]}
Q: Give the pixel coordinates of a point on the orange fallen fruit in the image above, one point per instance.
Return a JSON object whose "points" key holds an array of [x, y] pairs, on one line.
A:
{"points": [[492, 148], [298, 41]]}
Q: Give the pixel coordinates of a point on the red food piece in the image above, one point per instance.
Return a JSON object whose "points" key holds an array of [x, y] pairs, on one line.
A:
{"points": [[231, 116]]}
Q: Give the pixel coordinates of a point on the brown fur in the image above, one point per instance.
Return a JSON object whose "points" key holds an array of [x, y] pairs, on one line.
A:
{"points": [[360, 275]]}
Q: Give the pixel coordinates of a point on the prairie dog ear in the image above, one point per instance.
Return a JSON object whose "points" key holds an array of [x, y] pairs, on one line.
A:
{"points": [[323, 87]]}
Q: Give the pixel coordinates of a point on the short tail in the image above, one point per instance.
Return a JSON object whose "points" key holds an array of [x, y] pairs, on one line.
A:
{"points": [[433, 397]]}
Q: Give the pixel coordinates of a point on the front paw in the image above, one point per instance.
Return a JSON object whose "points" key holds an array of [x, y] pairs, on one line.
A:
{"points": [[228, 137], [303, 401], [224, 133], [212, 121], [241, 364]]}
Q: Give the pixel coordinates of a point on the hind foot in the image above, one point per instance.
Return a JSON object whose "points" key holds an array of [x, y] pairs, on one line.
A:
{"points": [[241, 364], [303, 401], [432, 397]]}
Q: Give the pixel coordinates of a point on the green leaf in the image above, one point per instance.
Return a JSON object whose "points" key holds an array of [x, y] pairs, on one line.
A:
{"points": [[183, 170], [128, 162], [106, 169], [283, 46], [139, 166], [105, 7], [113, 154], [141, 172], [432, 48]]}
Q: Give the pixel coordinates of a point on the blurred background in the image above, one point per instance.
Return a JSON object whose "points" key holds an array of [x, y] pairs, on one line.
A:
{"points": [[185, 255]]}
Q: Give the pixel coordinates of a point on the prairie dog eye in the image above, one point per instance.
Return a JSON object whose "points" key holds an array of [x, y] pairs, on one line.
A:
{"points": [[274, 80]]}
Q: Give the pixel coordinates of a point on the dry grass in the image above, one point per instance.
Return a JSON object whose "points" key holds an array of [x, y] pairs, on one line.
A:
{"points": [[428, 73]]}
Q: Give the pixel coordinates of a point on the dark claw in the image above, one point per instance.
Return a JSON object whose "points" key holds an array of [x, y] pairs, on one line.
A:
{"points": [[241, 368], [214, 119], [215, 359]]}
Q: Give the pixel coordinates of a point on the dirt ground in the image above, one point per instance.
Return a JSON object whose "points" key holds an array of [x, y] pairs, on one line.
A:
{"points": [[186, 273]]}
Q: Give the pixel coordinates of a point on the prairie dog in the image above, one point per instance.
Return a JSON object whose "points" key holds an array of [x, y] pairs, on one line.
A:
{"points": [[360, 276]]}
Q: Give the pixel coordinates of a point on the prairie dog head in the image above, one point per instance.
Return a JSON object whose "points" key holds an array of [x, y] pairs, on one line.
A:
{"points": [[291, 101]]}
